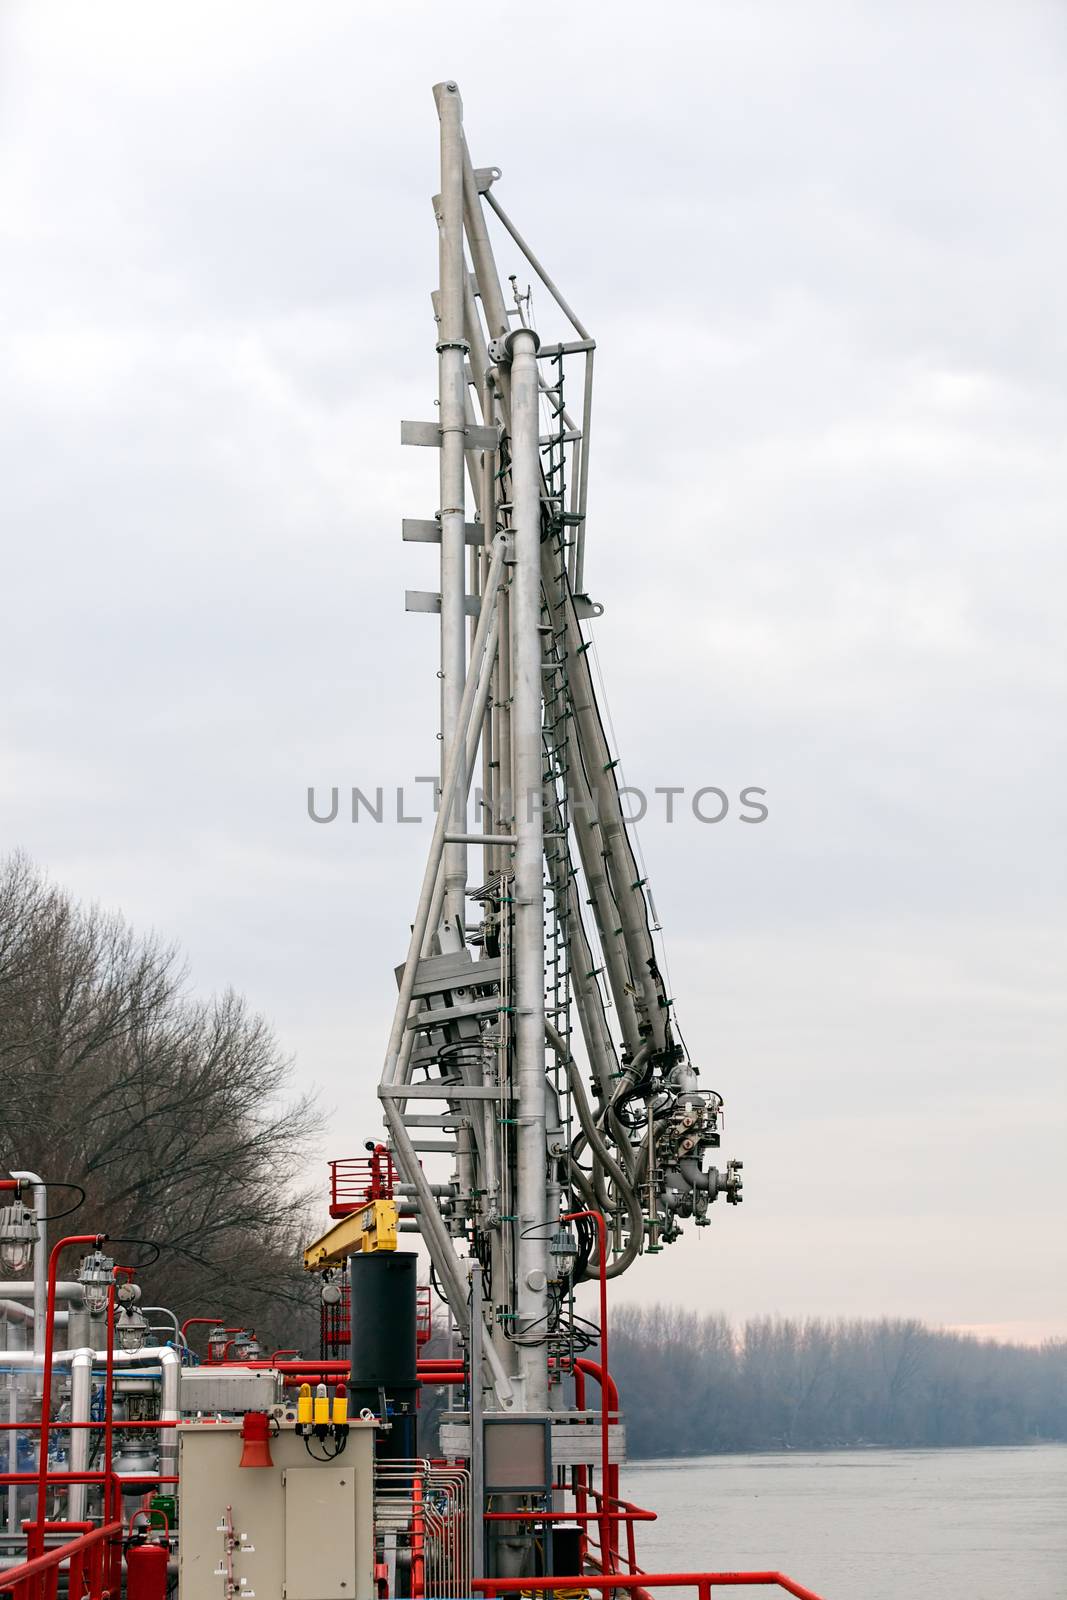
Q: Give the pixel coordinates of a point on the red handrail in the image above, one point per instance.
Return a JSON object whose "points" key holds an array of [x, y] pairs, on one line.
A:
{"points": [[607, 1582], [195, 1322], [100, 1575], [66, 1425], [628, 1514], [63, 1480]]}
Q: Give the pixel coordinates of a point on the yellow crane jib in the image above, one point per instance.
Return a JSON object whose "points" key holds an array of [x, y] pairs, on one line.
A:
{"points": [[373, 1227]]}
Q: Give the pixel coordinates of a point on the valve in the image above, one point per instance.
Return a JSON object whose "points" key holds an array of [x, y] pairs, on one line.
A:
{"points": [[304, 1410], [321, 1412], [339, 1417]]}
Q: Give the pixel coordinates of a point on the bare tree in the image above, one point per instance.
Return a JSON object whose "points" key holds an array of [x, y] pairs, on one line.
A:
{"points": [[171, 1112]]}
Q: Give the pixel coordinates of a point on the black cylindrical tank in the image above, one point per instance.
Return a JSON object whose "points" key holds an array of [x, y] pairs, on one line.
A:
{"points": [[383, 1328]]}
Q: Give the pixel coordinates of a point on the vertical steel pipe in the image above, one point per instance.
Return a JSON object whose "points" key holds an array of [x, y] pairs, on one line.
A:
{"points": [[452, 349], [529, 896]]}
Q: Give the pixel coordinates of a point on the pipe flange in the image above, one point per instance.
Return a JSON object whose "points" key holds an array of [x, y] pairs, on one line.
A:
{"points": [[500, 350]]}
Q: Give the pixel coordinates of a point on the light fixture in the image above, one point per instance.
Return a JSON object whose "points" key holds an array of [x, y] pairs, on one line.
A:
{"points": [[563, 1245], [95, 1277], [18, 1235], [246, 1346], [131, 1328]]}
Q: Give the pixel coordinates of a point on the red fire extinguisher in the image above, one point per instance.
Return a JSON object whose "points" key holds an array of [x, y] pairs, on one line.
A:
{"points": [[147, 1559]]}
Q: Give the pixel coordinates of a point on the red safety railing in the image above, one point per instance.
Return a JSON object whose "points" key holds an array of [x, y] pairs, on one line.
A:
{"points": [[423, 1315], [93, 1559], [643, 1583], [335, 1322], [357, 1179], [620, 1512]]}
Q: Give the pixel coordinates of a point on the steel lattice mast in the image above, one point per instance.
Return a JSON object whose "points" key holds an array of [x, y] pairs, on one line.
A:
{"points": [[480, 1051]]}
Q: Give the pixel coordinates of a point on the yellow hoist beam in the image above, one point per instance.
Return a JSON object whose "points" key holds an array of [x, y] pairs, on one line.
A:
{"points": [[372, 1227]]}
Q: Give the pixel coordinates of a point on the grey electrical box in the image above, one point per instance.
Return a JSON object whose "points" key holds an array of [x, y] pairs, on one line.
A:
{"points": [[211, 1389], [300, 1529]]}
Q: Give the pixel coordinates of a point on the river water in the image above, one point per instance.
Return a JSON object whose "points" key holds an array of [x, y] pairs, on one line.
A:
{"points": [[986, 1524]]}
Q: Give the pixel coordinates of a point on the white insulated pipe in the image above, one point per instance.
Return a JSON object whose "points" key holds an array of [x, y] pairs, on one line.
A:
{"points": [[12, 1311], [19, 1289], [531, 1289], [151, 1355], [452, 351], [81, 1394]]}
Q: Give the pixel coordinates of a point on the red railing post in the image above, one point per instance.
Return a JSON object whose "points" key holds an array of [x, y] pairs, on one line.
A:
{"points": [[418, 1559], [35, 1537], [109, 1408], [607, 1555]]}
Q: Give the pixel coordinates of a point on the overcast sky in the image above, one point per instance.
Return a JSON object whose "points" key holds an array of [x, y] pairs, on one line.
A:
{"points": [[822, 250]]}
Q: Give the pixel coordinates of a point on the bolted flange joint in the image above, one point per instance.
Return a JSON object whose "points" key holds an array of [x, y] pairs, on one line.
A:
{"points": [[500, 350]]}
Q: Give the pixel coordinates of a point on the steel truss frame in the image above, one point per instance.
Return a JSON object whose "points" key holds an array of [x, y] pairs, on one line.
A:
{"points": [[483, 1019]]}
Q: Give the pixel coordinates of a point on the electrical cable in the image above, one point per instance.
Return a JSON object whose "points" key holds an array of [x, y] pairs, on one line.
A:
{"points": [[59, 1215], [150, 1243]]}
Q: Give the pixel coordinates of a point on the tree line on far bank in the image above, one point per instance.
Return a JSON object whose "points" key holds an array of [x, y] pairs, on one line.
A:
{"points": [[694, 1384]]}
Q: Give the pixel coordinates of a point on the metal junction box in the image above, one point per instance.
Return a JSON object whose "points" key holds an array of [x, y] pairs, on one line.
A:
{"points": [[210, 1389], [301, 1529]]}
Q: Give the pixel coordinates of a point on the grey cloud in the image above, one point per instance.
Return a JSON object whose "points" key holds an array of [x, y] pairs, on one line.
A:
{"points": [[820, 252]]}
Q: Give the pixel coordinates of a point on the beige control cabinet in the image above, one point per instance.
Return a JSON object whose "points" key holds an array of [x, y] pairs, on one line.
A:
{"points": [[299, 1530]]}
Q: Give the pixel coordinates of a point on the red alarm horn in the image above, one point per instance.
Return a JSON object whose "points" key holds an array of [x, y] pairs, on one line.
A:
{"points": [[255, 1431]]}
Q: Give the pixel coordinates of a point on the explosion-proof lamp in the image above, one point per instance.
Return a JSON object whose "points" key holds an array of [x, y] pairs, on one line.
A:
{"points": [[131, 1328], [95, 1278], [18, 1235], [563, 1244], [246, 1347]]}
